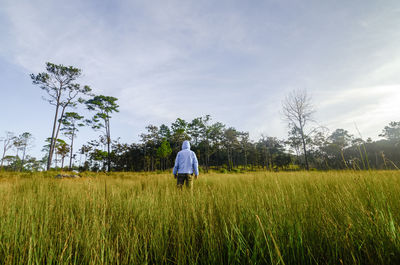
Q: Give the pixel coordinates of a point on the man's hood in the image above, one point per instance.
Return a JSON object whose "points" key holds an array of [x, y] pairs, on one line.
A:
{"points": [[186, 145]]}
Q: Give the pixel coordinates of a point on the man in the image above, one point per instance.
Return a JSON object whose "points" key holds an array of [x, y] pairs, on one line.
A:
{"points": [[185, 163]]}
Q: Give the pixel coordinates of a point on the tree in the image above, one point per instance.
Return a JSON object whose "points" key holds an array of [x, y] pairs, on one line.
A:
{"points": [[150, 141], [103, 106], [340, 138], [85, 150], [95, 153], [59, 148], [294, 141], [120, 159], [24, 141], [164, 132], [298, 111], [391, 132], [269, 147], [230, 142], [18, 146], [11, 161], [194, 129], [98, 155], [70, 124], [207, 136], [8, 142], [59, 83], [213, 136], [282, 160], [32, 164], [335, 145], [163, 152], [245, 144], [179, 133], [320, 154], [62, 149]]}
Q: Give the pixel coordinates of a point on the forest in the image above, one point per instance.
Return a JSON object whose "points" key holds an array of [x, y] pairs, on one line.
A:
{"points": [[217, 146]]}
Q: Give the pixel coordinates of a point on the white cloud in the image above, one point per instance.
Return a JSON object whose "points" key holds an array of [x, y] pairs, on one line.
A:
{"points": [[233, 60], [371, 108]]}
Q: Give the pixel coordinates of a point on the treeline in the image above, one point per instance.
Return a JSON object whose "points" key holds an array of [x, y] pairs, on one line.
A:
{"points": [[226, 148], [218, 147]]}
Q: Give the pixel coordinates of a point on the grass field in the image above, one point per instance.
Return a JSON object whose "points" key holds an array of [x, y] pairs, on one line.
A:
{"points": [[332, 217]]}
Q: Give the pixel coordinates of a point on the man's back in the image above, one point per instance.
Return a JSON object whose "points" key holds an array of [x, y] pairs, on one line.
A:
{"points": [[185, 163]]}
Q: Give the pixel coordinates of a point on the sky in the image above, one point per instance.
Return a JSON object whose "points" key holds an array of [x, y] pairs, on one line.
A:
{"points": [[234, 60]]}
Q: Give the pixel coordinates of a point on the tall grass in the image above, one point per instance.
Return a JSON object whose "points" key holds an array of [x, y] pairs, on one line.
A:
{"points": [[331, 217]]}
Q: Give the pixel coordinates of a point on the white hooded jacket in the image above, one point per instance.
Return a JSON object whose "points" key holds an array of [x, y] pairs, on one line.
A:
{"points": [[186, 161]]}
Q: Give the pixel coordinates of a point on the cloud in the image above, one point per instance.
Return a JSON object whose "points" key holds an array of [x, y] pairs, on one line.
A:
{"points": [[371, 108], [233, 60]]}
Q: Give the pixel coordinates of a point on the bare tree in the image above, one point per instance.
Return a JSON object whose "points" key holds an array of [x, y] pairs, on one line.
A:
{"points": [[298, 111]]}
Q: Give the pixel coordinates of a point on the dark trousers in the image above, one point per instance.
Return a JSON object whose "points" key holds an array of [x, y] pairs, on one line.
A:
{"points": [[184, 179]]}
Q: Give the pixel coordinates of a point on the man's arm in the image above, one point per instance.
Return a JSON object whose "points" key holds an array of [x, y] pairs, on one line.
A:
{"points": [[176, 166], [195, 165]]}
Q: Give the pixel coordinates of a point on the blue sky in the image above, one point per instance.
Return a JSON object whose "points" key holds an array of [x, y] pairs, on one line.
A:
{"points": [[234, 60]]}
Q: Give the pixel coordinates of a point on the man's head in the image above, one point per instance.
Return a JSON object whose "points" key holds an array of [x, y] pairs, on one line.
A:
{"points": [[185, 145]]}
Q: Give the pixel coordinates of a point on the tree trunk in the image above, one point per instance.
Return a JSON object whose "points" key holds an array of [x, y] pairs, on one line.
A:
{"points": [[59, 125], [2, 158], [108, 155], [245, 160], [16, 156], [208, 163], [144, 158], [52, 141], [207, 156], [304, 149], [23, 159], [265, 160], [108, 135], [72, 145], [229, 160]]}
